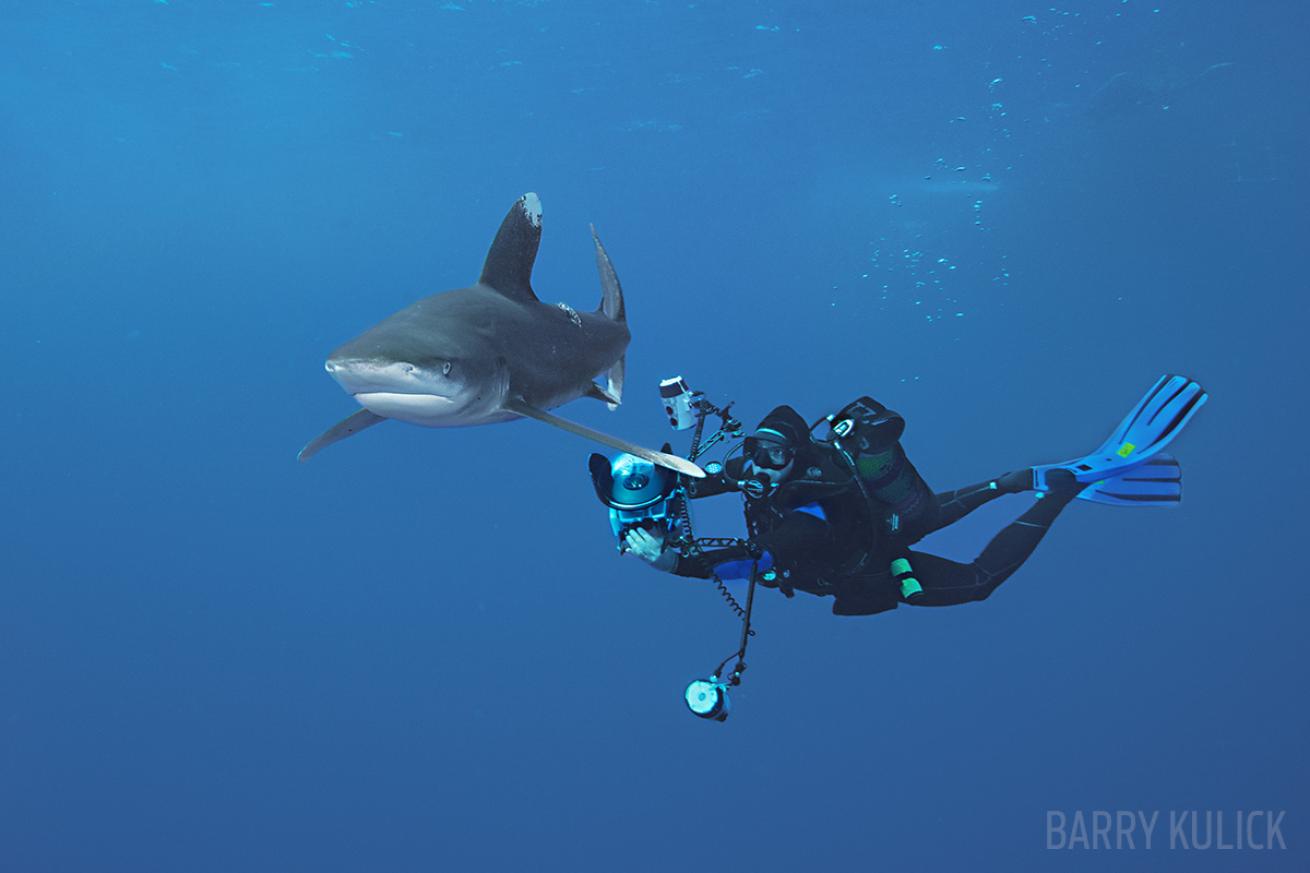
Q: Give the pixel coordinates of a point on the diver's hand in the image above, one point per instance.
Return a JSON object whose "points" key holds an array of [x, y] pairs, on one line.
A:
{"points": [[650, 548]]}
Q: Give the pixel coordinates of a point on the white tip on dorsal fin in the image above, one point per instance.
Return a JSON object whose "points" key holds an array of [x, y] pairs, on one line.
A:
{"points": [[508, 268]]}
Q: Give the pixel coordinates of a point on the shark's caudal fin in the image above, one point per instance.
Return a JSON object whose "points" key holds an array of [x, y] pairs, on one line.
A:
{"points": [[611, 306], [338, 432], [508, 267], [663, 459]]}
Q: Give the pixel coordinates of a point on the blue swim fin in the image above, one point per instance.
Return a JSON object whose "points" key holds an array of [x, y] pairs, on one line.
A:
{"points": [[1158, 482], [1152, 424]]}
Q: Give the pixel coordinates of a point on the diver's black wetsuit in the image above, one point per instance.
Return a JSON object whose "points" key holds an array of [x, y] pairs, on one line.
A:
{"points": [[816, 531], [946, 582]]}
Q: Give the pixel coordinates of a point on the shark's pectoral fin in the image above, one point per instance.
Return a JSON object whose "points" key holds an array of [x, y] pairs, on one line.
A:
{"points": [[597, 392], [663, 459], [338, 432]]}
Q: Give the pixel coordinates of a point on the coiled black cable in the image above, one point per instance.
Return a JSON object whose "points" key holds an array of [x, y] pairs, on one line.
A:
{"points": [[688, 543], [733, 604]]}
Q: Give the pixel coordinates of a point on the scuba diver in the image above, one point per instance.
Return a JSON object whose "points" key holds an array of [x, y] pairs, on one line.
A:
{"points": [[837, 514]]}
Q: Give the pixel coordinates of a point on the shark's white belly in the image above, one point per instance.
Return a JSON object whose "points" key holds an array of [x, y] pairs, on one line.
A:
{"points": [[429, 410]]}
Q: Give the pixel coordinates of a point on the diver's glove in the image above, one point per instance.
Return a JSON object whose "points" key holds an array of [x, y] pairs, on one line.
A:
{"points": [[650, 548]]}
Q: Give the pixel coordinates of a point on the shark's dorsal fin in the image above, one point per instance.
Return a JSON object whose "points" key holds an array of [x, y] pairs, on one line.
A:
{"points": [[663, 459], [508, 268]]}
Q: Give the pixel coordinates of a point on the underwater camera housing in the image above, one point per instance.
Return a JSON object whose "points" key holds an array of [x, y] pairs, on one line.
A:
{"points": [[637, 492]]}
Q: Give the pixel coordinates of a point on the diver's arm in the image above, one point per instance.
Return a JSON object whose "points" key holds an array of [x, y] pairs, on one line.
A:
{"points": [[729, 562], [733, 562], [799, 539], [727, 479], [716, 483]]}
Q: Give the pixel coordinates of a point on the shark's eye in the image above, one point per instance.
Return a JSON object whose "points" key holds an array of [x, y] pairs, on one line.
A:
{"points": [[445, 368]]}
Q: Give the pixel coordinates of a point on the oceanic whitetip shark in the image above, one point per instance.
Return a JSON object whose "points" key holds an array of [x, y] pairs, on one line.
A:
{"points": [[492, 351]]}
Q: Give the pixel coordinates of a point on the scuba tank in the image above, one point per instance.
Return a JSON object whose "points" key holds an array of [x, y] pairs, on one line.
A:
{"points": [[867, 436]]}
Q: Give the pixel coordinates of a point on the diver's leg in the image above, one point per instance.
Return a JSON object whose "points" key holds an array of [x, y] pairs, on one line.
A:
{"points": [[955, 505], [946, 582]]}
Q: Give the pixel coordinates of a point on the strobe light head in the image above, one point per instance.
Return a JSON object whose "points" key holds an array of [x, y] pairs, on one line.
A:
{"points": [[679, 402], [708, 699]]}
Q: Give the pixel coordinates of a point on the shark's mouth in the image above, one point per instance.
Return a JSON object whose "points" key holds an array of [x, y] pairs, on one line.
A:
{"points": [[390, 377], [417, 408]]}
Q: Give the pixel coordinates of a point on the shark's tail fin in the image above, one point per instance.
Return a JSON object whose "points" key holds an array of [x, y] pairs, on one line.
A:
{"points": [[611, 306]]}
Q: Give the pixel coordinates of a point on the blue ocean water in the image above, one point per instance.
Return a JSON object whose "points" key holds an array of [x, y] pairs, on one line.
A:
{"points": [[420, 651]]}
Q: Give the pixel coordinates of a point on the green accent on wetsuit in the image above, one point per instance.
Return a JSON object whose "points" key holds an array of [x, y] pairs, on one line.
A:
{"points": [[872, 466], [901, 571], [875, 469]]}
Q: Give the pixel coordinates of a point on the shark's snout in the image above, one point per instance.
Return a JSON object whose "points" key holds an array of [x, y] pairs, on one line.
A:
{"points": [[396, 377], [435, 394]]}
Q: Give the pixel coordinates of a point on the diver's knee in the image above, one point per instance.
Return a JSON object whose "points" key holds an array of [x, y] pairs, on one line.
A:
{"points": [[986, 584]]}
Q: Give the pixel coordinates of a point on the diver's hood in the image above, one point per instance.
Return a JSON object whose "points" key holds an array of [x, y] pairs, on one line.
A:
{"points": [[784, 425], [628, 483]]}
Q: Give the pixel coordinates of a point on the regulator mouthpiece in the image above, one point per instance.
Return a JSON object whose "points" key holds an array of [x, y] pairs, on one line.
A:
{"points": [[708, 699]]}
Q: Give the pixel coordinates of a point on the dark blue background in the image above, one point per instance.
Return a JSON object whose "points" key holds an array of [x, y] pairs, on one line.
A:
{"points": [[419, 651]]}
